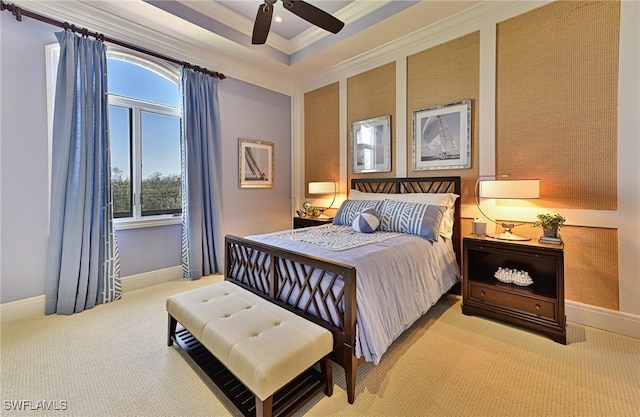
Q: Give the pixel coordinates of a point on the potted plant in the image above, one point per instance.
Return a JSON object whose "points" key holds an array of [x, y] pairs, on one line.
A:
{"points": [[550, 223]]}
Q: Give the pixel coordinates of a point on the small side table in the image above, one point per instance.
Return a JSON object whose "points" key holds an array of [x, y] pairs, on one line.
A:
{"points": [[538, 307], [300, 222]]}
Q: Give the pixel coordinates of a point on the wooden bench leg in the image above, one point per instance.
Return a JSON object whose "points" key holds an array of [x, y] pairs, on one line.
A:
{"points": [[263, 408], [327, 374], [171, 330]]}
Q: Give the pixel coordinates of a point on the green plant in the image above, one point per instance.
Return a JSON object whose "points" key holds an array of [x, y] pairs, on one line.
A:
{"points": [[549, 221]]}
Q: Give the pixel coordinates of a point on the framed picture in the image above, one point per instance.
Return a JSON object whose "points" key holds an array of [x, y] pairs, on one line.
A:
{"points": [[371, 145], [255, 164], [442, 136]]}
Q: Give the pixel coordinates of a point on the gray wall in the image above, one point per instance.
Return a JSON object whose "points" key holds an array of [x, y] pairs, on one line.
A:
{"points": [[247, 111]]}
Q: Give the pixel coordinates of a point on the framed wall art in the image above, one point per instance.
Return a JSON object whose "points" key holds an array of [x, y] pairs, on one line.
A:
{"points": [[255, 164], [371, 145], [442, 136]]}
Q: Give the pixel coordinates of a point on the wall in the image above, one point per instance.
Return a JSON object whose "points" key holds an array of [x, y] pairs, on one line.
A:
{"points": [[247, 111], [616, 228]]}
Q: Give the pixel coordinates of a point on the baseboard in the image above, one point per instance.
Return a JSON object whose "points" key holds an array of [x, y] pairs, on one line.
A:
{"points": [[20, 309], [147, 279], [34, 306], [601, 318]]}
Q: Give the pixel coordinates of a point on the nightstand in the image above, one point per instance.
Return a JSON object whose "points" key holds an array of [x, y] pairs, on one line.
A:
{"points": [[538, 306], [299, 222]]}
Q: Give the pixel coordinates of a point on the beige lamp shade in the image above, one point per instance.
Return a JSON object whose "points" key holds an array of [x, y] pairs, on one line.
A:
{"points": [[510, 189], [324, 187]]}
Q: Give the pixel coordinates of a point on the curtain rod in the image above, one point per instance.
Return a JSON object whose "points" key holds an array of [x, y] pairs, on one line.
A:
{"points": [[18, 12]]}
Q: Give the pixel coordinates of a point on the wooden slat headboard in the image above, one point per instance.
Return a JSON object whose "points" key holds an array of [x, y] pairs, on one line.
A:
{"points": [[418, 185]]}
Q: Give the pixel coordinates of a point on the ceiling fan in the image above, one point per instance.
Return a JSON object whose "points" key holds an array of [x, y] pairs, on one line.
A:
{"points": [[307, 11]]}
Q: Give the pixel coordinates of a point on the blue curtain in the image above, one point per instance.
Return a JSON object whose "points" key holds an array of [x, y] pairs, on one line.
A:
{"points": [[82, 266], [202, 236]]}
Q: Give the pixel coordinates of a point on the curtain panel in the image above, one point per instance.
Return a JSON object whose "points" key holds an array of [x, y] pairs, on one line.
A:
{"points": [[83, 263], [202, 235]]}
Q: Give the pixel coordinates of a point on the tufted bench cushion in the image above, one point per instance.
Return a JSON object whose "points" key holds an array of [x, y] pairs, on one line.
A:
{"points": [[263, 345]]}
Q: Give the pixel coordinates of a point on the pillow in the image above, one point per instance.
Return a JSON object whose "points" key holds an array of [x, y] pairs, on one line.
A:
{"points": [[437, 199], [350, 209], [366, 221], [414, 218]]}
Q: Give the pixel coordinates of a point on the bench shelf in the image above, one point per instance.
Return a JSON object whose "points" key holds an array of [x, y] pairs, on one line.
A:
{"points": [[285, 401]]}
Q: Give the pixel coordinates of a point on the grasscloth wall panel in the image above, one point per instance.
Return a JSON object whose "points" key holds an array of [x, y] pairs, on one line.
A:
{"points": [[557, 104], [322, 134], [372, 94], [444, 74], [590, 263]]}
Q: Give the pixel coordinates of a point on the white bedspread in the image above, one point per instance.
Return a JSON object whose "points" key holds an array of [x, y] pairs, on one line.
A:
{"points": [[398, 280]]}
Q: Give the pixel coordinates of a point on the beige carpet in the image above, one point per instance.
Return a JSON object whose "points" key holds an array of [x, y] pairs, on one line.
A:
{"points": [[113, 361]]}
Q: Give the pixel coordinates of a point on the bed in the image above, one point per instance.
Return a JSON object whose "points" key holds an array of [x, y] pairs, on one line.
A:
{"points": [[399, 275]]}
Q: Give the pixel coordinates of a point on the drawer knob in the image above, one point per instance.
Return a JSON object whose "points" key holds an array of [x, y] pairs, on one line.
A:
{"points": [[537, 306], [482, 293]]}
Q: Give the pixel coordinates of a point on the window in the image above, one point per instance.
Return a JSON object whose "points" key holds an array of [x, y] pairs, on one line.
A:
{"points": [[144, 128]]}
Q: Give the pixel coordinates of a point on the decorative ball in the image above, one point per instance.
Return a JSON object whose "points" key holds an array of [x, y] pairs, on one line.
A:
{"points": [[366, 221]]}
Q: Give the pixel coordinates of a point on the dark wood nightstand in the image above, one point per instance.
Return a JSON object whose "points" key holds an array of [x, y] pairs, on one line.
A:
{"points": [[300, 222], [538, 306]]}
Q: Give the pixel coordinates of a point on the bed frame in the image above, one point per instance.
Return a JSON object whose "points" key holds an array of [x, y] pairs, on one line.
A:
{"points": [[283, 276]]}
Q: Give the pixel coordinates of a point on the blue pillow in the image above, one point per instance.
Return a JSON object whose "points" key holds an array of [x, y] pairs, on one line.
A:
{"points": [[414, 218], [351, 208], [366, 221]]}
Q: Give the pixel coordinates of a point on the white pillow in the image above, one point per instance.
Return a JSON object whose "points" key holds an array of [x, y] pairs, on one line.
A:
{"points": [[435, 199]]}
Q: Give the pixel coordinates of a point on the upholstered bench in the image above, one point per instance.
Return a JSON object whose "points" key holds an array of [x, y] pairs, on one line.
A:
{"points": [[263, 345]]}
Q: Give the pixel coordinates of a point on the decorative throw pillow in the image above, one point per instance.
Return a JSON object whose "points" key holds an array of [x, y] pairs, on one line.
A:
{"points": [[413, 218], [366, 221], [436, 199], [350, 209]]}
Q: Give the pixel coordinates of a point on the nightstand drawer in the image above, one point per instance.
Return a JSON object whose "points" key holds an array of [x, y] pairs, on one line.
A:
{"points": [[522, 303]]}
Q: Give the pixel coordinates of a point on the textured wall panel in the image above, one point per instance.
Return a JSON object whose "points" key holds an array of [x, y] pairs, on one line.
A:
{"points": [[590, 263], [446, 73], [557, 103], [322, 134], [372, 94], [591, 266]]}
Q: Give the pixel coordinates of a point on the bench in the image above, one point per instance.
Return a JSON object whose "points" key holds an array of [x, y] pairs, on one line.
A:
{"points": [[263, 345]]}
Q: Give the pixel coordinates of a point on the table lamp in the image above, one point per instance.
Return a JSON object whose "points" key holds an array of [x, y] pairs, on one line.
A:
{"points": [[506, 189]]}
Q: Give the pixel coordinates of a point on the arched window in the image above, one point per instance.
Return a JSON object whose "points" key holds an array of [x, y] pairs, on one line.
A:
{"points": [[145, 121], [144, 129]]}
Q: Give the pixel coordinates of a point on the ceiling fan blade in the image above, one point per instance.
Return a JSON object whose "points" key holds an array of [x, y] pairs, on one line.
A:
{"points": [[313, 15], [262, 24]]}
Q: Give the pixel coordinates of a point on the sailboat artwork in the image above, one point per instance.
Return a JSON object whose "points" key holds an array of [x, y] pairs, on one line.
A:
{"points": [[254, 173], [442, 137], [255, 164], [437, 140]]}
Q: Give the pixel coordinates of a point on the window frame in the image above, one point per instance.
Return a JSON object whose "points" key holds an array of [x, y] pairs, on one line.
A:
{"points": [[137, 107], [165, 69]]}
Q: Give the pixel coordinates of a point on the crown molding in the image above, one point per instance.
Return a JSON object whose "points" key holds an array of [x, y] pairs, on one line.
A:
{"points": [[349, 14], [192, 44], [460, 24]]}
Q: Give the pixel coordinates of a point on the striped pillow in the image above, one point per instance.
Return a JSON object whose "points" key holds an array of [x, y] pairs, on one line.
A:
{"points": [[351, 208], [413, 218]]}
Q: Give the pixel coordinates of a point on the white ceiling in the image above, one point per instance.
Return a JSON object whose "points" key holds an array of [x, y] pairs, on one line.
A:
{"points": [[216, 34]]}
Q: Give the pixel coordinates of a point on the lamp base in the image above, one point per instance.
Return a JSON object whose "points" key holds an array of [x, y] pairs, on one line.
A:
{"points": [[507, 236]]}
